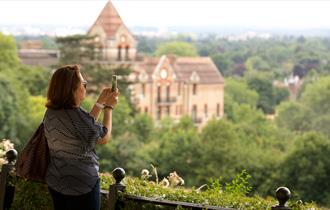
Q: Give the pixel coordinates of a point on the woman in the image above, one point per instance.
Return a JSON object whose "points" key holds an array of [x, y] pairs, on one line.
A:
{"points": [[72, 133]]}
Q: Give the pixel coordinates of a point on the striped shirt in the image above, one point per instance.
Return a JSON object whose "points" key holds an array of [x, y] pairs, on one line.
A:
{"points": [[71, 135]]}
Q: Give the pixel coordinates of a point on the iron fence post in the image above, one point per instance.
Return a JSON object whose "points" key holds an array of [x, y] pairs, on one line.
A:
{"points": [[6, 199], [118, 174]]}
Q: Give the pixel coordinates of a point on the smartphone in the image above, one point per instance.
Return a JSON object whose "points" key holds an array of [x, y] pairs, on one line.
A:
{"points": [[114, 83]]}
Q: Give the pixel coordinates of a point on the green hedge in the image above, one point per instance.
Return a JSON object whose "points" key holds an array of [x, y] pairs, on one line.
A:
{"points": [[34, 196]]}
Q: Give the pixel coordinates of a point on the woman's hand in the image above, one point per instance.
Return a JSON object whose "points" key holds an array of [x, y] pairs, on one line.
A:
{"points": [[105, 94], [112, 99]]}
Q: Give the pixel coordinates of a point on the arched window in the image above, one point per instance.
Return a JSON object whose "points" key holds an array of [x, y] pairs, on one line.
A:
{"points": [[168, 89], [205, 110], [194, 89], [127, 53], [119, 53], [143, 87], [218, 110], [194, 113], [159, 90]]}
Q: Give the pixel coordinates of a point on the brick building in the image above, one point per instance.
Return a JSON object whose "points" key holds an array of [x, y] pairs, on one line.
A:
{"points": [[176, 86]]}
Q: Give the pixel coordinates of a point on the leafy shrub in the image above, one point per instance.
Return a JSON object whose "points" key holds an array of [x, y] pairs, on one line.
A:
{"points": [[32, 195]]}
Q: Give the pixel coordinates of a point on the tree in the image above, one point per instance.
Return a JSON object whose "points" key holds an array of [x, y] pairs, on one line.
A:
{"points": [[222, 62], [255, 63], [14, 97], [293, 116], [218, 153], [307, 168], [8, 52], [14, 110], [35, 79], [76, 49], [146, 45], [280, 94], [143, 127], [178, 149], [262, 83], [120, 152], [122, 118], [310, 112], [316, 98], [37, 111], [177, 48], [240, 92]]}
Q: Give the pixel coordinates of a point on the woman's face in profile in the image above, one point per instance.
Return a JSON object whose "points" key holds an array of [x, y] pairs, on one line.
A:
{"points": [[81, 90]]}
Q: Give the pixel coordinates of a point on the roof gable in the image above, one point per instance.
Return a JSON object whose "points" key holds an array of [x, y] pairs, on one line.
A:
{"points": [[186, 69], [109, 20]]}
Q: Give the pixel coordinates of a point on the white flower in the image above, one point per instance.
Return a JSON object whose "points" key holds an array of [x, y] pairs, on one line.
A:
{"points": [[2, 161], [175, 179], [145, 174], [7, 144], [165, 182]]}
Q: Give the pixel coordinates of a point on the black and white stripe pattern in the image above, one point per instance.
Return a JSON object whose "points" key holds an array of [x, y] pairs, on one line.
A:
{"points": [[72, 135]]}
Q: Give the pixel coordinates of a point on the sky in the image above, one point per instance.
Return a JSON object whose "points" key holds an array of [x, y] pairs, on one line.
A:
{"points": [[161, 13]]}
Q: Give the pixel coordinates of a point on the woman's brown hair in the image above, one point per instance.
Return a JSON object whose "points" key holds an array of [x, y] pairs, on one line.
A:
{"points": [[62, 87]]}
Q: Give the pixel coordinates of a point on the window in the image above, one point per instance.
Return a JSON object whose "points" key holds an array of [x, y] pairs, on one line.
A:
{"points": [[179, 89], [205, 110], [194, 89], [168, 89], [145, 109], [218, 110], [127, 53], [143, 89], [194, 113], [159, 90], [119, 53]]}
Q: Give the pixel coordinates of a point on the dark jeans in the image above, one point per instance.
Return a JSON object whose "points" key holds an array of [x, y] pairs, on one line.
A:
{"points": [[88, 201]]}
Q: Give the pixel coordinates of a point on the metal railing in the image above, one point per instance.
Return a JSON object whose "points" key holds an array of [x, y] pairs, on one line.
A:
{"points": [[282, 194]]}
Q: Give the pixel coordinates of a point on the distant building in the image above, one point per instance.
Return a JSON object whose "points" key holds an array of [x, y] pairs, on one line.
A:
{"points": [[292, 83], [175, 86], [31, 44], [39, 57], [32, 53]]}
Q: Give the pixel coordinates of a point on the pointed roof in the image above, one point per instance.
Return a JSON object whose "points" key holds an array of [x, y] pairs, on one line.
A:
{"points": [[109, 20]]}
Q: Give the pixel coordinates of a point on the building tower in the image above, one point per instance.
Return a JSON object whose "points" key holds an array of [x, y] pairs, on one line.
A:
{"points": [[112, 38]]}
